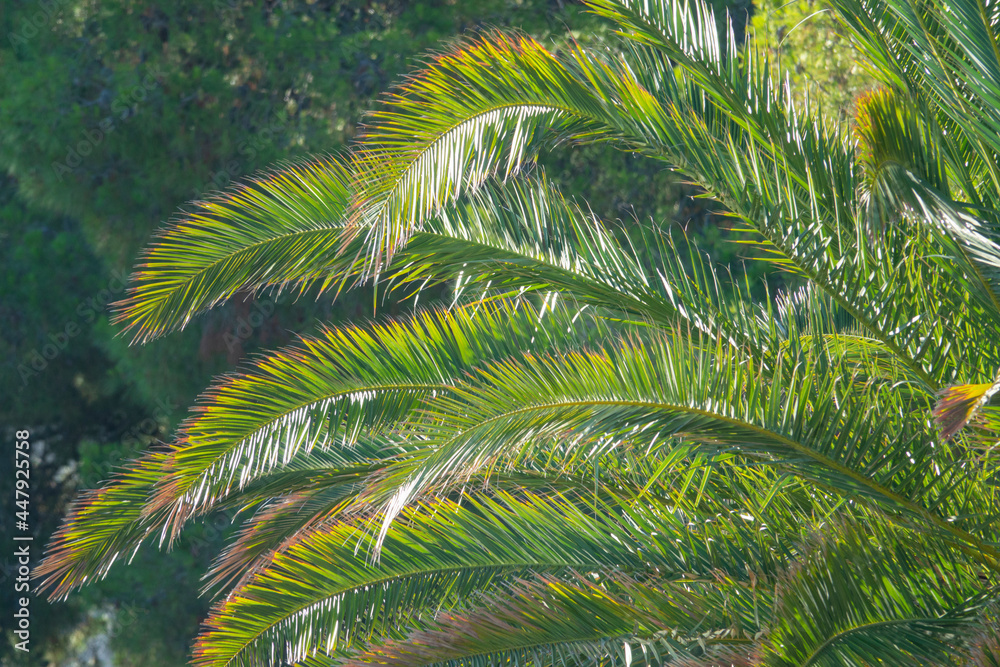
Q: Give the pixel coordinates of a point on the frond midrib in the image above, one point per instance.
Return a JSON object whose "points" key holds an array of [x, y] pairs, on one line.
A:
{"points": [[579, 639], [993, 561], [528, 646], [513, 255], [500, 565], [304, 405], [860, 628], [422, 153], [190, 278]]}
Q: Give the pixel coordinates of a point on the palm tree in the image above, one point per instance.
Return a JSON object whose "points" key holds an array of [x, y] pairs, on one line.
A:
{"points": [[605, 451]]}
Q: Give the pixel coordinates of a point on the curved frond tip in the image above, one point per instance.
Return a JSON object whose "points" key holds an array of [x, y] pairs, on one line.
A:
{"points": [[283, 228]]}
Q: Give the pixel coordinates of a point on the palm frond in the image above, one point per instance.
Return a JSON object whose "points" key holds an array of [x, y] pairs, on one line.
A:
{"points": [[285, 518], [793, 417], [614, 620], [325, 591], [870, 595], [283, 228], [490, 101], [102, 526], [337, 386], [324, 394], [523, 235]]}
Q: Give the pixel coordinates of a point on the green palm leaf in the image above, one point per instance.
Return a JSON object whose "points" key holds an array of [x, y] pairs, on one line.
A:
{"points": [[325, 590], [284, 228], [491, 99], [717, 398], [874, 595], [103, 526], [337, 386], [617, 621], [293, 500], [325, 394]]}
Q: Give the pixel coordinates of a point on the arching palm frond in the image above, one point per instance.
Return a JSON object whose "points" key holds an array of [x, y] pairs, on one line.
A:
{"points": [[613, 619], [363, 379], [716, 397], [102, 526], [325, 590], [873, 594], [283, 228], [490, 103], [325, 393]]}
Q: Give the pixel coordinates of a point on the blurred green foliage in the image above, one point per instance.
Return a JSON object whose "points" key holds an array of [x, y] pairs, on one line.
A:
{"points": [[118, 111], [802, 38]]}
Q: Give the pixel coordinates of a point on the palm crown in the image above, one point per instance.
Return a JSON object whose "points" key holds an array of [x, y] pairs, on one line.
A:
{"points": [[605, 452]]}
